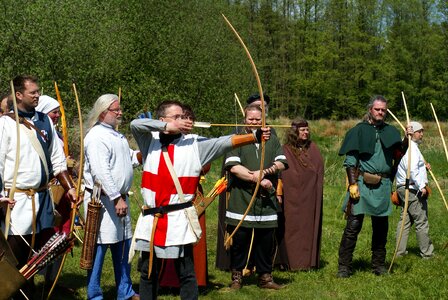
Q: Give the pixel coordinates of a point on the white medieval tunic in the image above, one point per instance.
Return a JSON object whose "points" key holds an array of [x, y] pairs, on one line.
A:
{"points": [[31, 173], [188, 153], [108, 160], [419, 177]]}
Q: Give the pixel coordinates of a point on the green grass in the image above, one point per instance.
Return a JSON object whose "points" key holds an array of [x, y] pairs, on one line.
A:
{"points": [[412, 278]]}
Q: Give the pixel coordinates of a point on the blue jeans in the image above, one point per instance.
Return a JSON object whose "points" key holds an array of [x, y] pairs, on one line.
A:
{"points": [[122, 271]]}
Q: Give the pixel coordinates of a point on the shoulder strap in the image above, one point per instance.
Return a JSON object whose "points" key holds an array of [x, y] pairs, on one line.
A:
{"points": [[38, 147], [33, 139], [27, 124], [173, 175]]}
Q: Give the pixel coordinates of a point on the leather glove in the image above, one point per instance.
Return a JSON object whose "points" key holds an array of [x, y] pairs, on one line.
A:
{"points": [[354, 191]]}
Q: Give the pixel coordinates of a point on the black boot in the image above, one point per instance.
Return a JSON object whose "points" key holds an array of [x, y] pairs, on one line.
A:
{"points": [[348, 244], [344, 272], [379, 262], [379, 239]]}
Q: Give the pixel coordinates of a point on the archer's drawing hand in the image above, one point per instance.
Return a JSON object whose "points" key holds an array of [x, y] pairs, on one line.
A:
{"points": [[179, 126]]}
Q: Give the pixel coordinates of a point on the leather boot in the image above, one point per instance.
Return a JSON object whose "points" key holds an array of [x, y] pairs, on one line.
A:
{"points": [[237, 280], [265, 281], [344, 272], [379, 239], [378, 262]]}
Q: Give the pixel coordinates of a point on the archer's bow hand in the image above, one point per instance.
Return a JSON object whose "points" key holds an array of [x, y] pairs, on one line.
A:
{"points": [[409, 130], [71, 193], [4, 201], [256, 175], [263, 133]]}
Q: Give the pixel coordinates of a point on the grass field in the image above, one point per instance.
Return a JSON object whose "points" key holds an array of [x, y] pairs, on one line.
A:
{"points": [[412, 277]]}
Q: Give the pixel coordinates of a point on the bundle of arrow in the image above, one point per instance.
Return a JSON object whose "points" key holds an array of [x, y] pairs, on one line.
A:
{"points": [[57, 245]]}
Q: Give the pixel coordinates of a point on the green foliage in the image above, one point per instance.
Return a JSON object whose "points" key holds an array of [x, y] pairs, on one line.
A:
{"points": [[316, 58], [412, 277]]}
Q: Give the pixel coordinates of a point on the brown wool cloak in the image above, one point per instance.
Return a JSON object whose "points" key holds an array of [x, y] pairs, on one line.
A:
{"points": [[302, 209]]}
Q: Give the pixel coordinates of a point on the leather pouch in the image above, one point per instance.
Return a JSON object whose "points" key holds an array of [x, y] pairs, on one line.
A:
{"points": [[395, 198], [371, 179], [56, 192]]}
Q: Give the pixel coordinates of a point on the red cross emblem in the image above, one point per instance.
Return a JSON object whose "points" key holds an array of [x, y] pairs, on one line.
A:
{"points": [[163, 186]]}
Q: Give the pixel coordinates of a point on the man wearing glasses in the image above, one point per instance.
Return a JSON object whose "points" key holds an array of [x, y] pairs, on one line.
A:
{"points": [[108, 160], [165, 217], [41, 158]]}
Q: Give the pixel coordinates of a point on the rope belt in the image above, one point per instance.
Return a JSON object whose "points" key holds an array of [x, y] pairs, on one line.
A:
{"points": [[158, 212], [31, 193]]}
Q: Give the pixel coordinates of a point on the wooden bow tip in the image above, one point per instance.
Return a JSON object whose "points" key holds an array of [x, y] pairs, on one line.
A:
{"points": [[263, 121], [406, 200]]}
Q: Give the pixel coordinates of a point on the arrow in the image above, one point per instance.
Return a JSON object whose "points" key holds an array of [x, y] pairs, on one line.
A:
{"points": [[208, 125]]}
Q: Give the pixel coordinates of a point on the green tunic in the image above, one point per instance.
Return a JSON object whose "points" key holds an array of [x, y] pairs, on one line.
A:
{"points": [[263, 213], [375, 200]]}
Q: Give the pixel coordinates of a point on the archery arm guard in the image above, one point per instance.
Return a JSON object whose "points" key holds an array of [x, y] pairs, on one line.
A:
{"points": [[352, 175], [272, 169], [65, 180], [246, 139]]}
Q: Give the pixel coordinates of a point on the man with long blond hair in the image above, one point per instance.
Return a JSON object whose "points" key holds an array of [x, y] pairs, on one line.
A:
{"points": [[108, 160]]}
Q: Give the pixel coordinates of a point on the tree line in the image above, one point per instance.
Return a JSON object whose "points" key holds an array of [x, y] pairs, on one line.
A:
{"points": [[316, 58]]}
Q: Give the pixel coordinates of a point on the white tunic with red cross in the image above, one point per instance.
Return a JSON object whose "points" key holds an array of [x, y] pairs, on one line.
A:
{"points": [[158, 190]]}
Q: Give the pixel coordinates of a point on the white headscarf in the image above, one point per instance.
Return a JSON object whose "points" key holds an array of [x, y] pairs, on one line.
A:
{"points": [[47, 104]]}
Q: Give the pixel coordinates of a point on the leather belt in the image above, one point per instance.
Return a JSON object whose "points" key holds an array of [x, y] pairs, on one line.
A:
{"points": [[165, 209], [414, 191], [384, 175]]}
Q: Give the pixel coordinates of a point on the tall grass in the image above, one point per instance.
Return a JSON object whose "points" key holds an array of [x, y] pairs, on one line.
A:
{"points": [[412, 277]]}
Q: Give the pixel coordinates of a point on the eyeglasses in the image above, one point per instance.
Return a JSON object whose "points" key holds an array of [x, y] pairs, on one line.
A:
{"points": [[179, 117], [116, 110]]}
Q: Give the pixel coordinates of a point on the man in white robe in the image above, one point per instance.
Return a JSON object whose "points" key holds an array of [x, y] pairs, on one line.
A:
{"points": [[108, 161], [41, 158]]}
